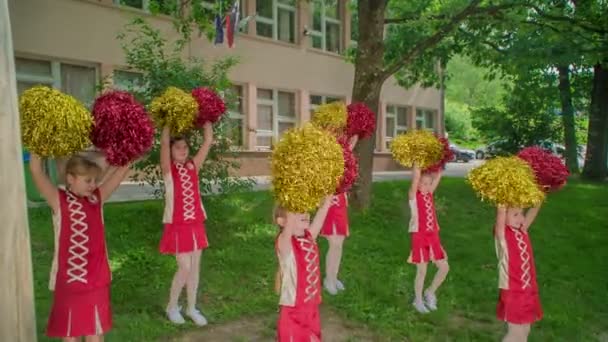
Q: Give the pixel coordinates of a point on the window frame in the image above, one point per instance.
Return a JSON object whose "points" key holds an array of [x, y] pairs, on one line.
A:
{"points": [[324, 99], [235, 115], [424, 111], [397, 129], [55, 80], [136, 88], [323, 33], [145, 5], [274, 21], [276, 117]]}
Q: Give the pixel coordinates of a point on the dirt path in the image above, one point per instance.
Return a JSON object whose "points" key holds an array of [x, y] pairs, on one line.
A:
{"points": [[258, 329]]}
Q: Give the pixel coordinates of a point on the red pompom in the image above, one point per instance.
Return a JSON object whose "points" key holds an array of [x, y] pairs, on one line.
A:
{"points": [[361, 120], [351, 167], [210, 106], [447, 156], [121, 128], [550, 171]]}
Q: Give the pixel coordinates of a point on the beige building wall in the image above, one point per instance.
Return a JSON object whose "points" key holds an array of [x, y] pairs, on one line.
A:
{"points": [[71, 33]]}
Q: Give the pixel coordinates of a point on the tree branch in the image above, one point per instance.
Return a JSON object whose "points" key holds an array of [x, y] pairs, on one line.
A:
{"points": [[486, 42], [573, 21], [558, 30], [443, 31], [492, 10]]}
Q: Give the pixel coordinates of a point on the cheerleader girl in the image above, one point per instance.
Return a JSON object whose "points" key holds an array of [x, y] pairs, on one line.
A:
{"points": [[184, 218], [335, 230], [518, 300], [299, 274], [80, 274], [425, 242]]}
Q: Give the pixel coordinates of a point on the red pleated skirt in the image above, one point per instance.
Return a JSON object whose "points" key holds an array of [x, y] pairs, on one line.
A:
{"points": [[519, 307], [80, 314], [183, 238], [426, 247], [299, 324]]}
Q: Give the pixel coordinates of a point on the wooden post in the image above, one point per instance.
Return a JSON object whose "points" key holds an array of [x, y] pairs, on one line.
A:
{"points": [[16, 289]]}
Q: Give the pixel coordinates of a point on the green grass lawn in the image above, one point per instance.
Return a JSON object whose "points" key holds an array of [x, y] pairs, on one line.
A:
{"points": [[570, 238]]}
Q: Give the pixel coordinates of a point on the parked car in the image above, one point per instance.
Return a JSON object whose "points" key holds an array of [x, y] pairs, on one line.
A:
{"points": [[461, 154], [560, 151], [492, 149]]}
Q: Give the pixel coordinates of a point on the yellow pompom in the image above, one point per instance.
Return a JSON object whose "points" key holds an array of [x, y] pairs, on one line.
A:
{"points": [[174, 108], [53, 124], [307, 165], [331, 116], [506, 181], [418, 147]]}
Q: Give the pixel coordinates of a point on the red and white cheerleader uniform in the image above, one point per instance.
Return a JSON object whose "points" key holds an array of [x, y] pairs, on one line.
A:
{"points": [[80, 273], [424, 230], [336, 221], [518, 300], [184, 216], [299, 319]]}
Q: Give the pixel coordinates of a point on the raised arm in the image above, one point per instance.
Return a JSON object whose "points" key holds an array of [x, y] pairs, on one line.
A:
{"points": [[112, 182], [165, 150], [501, 219], [317, 222], [201, 155], [43, 183], [416, 174], [530, 217], [436, 180], [353, 141]]}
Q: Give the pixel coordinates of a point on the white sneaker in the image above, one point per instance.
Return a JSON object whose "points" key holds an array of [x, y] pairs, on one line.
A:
{"points": [[175, 316], [197, 317], [430, 300], [330, 287], [339, 285], [419, 306]]}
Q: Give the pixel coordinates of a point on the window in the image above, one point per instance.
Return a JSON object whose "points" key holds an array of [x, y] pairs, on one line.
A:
{"points": [[236, 117], [128, 80], [317, 100], [326, 25], [276, 19], [425, 119], [76, 80], [276, 113], [161, 6], [395, 122]]}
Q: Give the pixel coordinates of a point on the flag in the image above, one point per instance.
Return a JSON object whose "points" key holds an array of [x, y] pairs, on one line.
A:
{"points": [[232, 22], [219, 30]]}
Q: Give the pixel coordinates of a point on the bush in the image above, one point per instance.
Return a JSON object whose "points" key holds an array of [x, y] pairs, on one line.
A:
{"points": [[458, 122], [162, 65]]}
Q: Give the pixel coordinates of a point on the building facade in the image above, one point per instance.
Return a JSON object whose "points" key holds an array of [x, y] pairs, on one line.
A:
{"points": [[290, 61]]}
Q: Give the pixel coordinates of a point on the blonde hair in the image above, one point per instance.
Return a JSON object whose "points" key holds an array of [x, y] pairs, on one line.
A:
{"points": [[78, 165]]}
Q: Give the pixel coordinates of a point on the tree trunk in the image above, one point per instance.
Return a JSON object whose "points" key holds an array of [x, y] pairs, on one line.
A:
{"points": [[596, 163], [565, 95], [366, 88], [16, 292]]}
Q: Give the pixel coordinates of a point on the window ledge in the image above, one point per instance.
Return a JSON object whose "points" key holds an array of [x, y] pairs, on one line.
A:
{"points": [[126, 8], [325, 53], [255, 37]]}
